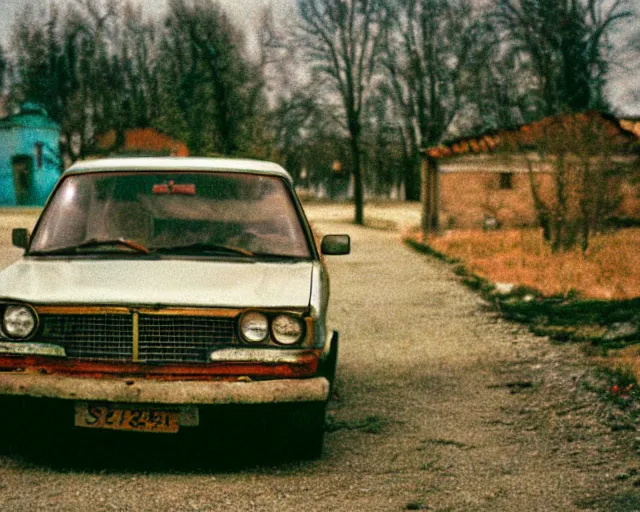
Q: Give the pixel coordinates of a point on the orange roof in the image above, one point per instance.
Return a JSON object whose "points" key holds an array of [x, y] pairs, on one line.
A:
{"points": [[632, 126], [143, 140], [529, 134]]}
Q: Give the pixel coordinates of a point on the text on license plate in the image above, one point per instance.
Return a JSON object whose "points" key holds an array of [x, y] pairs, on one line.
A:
{"points": [[125, 418]]}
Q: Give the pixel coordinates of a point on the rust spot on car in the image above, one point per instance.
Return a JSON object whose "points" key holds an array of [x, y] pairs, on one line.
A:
{"points": [[117, 310], [81, 310], [305, 366]]}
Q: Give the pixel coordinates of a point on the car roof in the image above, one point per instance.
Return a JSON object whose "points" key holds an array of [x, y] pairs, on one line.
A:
{"points": [[239, 165]]}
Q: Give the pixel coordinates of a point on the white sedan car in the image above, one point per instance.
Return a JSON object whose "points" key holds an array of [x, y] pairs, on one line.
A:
{"points": [[152, 288]]}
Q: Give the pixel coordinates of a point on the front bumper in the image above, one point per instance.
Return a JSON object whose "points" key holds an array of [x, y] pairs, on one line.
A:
{"points": [[132, 390]]}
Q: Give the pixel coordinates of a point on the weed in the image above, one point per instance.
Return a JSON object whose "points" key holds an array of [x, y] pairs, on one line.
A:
{"points": [[430, 465], [447, 442], [621, 391], [460, 270], [370, 424], [426, 249], [515, 386], [624, 502], [417, 505]]}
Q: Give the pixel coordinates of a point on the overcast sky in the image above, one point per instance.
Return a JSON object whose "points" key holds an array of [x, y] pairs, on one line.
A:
{"points": [[623, 82], [243, 12]]}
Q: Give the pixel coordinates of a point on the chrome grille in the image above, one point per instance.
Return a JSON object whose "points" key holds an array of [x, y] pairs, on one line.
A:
{"points": [[182, 338], [91, 336], [161, 338]]}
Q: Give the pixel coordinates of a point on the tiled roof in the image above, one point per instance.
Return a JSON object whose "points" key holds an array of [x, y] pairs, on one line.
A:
{"points": [[621, 131], [143, 140]]}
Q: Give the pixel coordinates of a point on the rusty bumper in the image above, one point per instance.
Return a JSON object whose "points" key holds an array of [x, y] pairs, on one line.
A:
{"points": [[163, 392]]}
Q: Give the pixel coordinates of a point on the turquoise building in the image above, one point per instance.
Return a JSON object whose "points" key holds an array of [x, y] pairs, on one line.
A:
{"points": [[30, 162]]}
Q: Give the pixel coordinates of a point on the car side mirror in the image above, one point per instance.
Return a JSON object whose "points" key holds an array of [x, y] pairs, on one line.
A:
{"points": [[336, 245], [20, 237]]}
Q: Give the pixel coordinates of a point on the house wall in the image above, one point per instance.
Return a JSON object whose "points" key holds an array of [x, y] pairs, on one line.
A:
{"points": [[468, 197], [630, 192], [20, 140], [145, 141]]}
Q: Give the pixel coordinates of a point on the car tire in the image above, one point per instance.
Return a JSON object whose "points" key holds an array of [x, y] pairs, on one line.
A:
{"points": [[329, 365], [303, 434]]}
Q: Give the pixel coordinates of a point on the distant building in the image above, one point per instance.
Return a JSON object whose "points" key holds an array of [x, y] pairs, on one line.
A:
{"points": [[486, 178], [30, 161], [139, 142]]}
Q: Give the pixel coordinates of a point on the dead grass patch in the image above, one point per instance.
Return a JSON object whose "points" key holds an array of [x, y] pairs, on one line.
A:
{"points": [[609, 270], [576, 297], [624, 361]]}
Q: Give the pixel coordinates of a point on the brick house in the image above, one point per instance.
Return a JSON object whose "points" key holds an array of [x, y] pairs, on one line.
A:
{"points": [[140, 142], [487, 177]]}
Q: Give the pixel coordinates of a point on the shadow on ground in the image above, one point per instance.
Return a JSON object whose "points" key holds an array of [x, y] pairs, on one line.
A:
{"points": [[227, 440]]}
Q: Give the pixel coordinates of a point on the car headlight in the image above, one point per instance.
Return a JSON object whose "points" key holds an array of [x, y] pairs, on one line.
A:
{"points": [[254, 327], [18, 321], [287, 329]]}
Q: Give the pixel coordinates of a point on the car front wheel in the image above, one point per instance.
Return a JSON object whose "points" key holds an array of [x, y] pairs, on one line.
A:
{"points": [[303, 427]]}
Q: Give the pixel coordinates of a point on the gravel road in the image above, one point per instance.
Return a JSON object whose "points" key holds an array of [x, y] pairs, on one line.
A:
{"points": [[439, 405]]}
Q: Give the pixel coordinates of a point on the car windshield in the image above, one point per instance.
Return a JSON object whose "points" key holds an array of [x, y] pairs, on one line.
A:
{"points": [[213, 213]]}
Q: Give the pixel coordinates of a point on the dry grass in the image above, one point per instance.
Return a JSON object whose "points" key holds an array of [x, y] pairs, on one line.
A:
{"points": [[625, 360], [609, 270]]}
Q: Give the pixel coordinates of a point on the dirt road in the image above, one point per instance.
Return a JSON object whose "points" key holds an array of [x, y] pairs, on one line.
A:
{"points": [[440, 405]]}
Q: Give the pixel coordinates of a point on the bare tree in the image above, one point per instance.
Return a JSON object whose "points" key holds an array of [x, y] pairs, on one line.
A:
{"points": [[208, 63], [136, 50], [430, 61], [343, 40], [567, 43], [583, 152], [501, 95], [61, 63], [99, 65], [3, 69]]}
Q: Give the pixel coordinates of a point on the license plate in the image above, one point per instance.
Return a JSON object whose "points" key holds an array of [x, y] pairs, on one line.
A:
{"points": [[126, 418]]}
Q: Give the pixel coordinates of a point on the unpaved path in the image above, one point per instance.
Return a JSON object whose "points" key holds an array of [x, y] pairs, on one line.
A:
{"points": [[440, 405]]}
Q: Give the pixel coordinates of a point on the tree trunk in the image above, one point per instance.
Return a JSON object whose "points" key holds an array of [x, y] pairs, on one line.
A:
{"points": [[358, 187], [430, 195], [425, 196], [561, 231], [435, 200], [542, 212], [410, 166], [412, 179]]}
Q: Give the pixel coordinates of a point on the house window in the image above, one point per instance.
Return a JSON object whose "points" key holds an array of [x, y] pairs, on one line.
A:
{"points": [[506, 180]]}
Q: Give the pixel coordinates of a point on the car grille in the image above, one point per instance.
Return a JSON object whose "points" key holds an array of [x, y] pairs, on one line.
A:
{"points": [[182, 338], [161, 338], [91, 336]]}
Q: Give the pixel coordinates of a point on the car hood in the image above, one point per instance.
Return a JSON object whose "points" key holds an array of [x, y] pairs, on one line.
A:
{"points": [[158, 282]]}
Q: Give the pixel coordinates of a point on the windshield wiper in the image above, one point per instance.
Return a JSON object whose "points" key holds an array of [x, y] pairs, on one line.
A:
{"points": [[272, 256], [202, 247], [94, 242]]}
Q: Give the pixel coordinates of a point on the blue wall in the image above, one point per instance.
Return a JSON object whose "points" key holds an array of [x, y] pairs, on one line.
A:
{"points": [[20, 135]]}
